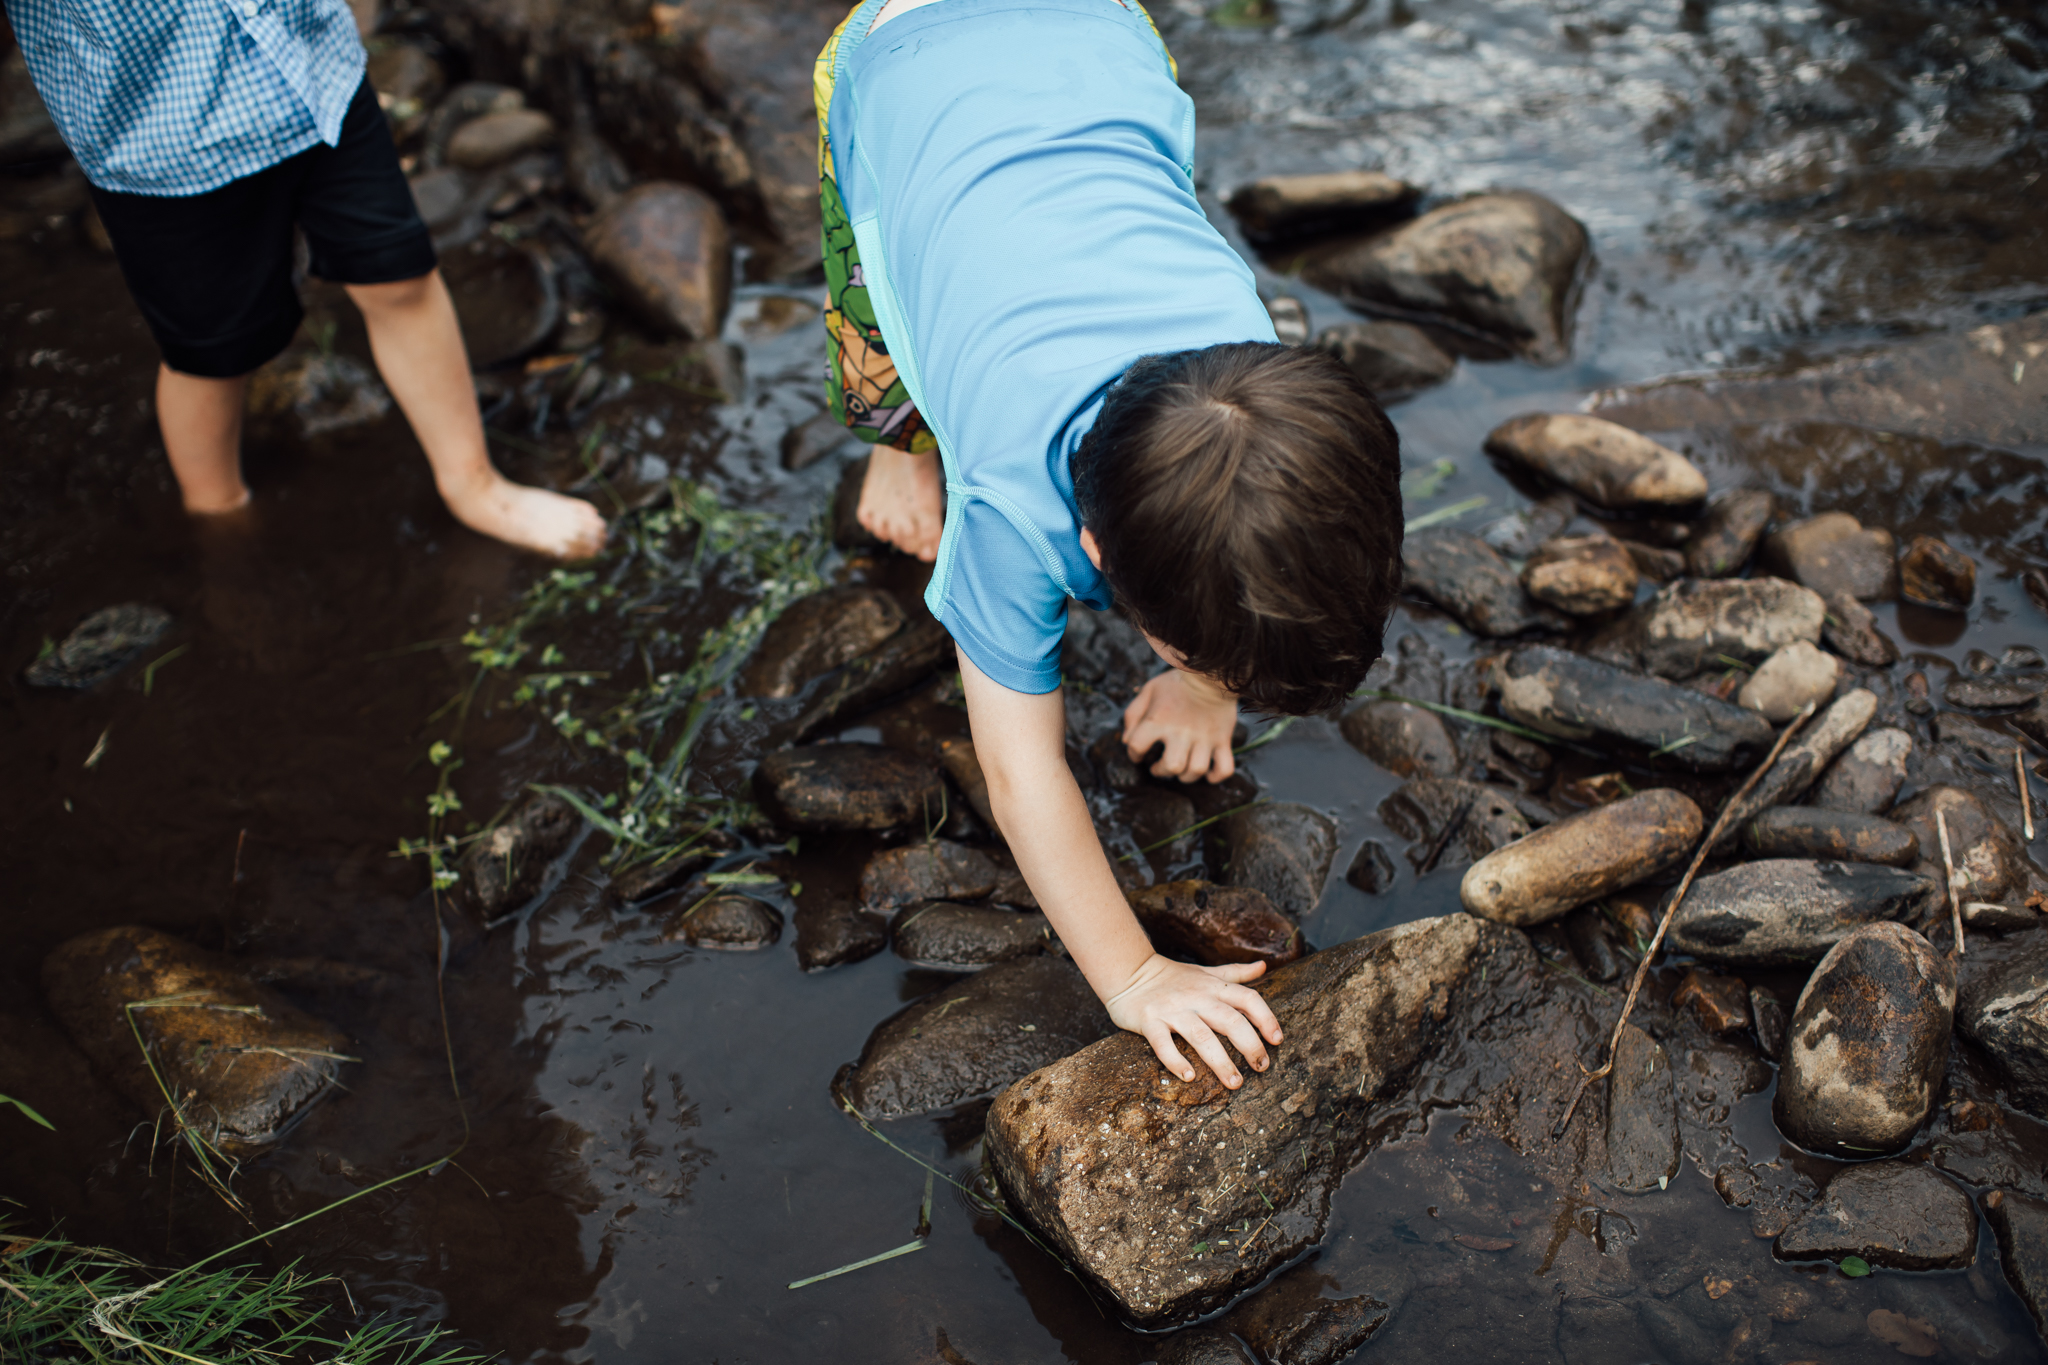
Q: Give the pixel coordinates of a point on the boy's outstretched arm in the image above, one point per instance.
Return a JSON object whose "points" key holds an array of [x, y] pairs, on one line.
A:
{"points": [[1021, 742]]}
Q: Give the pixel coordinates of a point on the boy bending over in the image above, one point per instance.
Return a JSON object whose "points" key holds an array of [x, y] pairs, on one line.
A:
{"points": [[208, 130], [1023, 282]]}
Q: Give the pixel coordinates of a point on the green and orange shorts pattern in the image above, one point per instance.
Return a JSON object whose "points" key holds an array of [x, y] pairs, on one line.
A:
{"points": [[861, 384]]}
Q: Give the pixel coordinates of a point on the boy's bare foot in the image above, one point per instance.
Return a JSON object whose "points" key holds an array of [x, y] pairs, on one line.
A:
{"points": [[531, 518], [903, 500], [218, 503]]}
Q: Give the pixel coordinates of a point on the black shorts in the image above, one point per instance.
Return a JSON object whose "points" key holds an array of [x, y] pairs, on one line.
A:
{"points": [[212, 272]]}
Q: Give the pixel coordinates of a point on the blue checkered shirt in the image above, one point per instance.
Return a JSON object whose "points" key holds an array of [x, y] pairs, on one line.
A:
{"points": [[177, 97]]}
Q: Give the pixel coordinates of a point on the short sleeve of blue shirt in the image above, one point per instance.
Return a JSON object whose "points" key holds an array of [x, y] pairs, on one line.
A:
{"points": [[1017, 175]]}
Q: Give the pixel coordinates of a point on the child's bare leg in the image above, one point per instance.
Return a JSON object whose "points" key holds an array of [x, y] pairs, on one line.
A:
{"points": [[418, 346], [903, 500], [201, 421]]}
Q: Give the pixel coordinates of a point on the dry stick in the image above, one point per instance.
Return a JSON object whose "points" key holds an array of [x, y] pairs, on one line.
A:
{"points": [[2019, 770], [1635, 985], [1948, 863]]}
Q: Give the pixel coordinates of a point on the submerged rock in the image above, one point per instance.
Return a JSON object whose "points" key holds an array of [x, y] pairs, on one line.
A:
{"points": [[936, 870], [1799, 675], [1833, 553], [1691, 626], [1582, 858], [1642, 1115], [508, 866], [314, 393], [901, 662], [1869, 1042], [1372, 870], [973, 1038], [1201, 1346], [1504, 266], [1519, 533], [815, 635], [1393, 359], [831, 933], [1574, 697], [1721, 544], [1481, 818], [1465, 576], [2020, 1223], [1290, 1324], [1404, 739], [1211, 925], [2005, 1012], [1988, 856], [239, 1064], [1851, 631], [847, 786], [1283, 850], [1934, 574], [1280, 206], [1782, 912], [1840, 836], [1582, 575], [965, 938], [727, 923], [1868, 775], [667, 248], [1719, 1003], [99, 646], [1897, 1214], [1994, 694], [1607, 465]]}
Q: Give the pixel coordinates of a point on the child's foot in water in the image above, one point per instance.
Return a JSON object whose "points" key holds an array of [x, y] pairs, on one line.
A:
{"points": [[903, 500], [531, 518]]}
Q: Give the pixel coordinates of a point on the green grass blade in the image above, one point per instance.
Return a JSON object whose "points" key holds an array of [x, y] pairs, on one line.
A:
{"points": [[877, 1259], [34, 1117]]}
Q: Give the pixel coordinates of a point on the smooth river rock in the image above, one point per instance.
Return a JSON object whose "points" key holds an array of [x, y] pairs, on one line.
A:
{"points": [[241, 1061], [733, 924], [1574, 697], [1868, 776], [1484, 818], [1465, 576], [848, 786], [667, 248], [1582, 575], [1403, 738], [1692, 625], [99, 646], [1582, 858], [493, 138], [1836, 835], [1851, 630], [1782, 912], [1607, 465], [1282, 849], [973, 1038], [1805, 758], [815, 635], [907, 658], [1799, 675], [1642, 1115], [1868, 1045], [965, 938], [1281, 206], [2005, 1012], [1395, 360], [1725, 537], [1833, 553], [835, 931], [935, 870], [1897, 1214], [1209, 924], [1933, 573], [1503, 266], [508, 866], [1988, 856], [1136, 1176]]}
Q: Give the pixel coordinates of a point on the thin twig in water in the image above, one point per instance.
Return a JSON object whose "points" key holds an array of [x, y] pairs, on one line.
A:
{"points": [[1948, 863], [1199, 824], [1446, 834], [1635, 984], [2019, 772]]}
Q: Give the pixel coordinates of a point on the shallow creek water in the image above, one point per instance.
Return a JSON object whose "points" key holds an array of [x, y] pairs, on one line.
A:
{"points": [[648, 1149]]}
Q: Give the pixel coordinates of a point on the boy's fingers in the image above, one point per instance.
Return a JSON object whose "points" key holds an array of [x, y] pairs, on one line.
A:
{"points": [[1240, 1032], [1238, 971], [1225, 765], [1175, 760], [1199, 758], [1203, 1040], [1161, 1038], [1253, 1006]]}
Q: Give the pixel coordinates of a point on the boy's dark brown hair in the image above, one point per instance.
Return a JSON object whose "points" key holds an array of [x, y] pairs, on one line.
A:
{"points": [[1246, 500]]}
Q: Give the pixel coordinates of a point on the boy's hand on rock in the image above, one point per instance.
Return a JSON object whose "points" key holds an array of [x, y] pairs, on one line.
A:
{"points": [[1165, 998], [1193, 717]]}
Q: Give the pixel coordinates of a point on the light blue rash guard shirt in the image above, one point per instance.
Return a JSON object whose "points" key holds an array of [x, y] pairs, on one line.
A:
{"points": [[1017, 173]]}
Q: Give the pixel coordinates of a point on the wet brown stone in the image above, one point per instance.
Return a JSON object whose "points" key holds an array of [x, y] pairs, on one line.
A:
{"points": [[1607, 465], [1988, 856], [491, 139], [1834, 553], [1994, 694], [1726, 536], [1782, 912], [469, 100], [667, 249], [806, 443], [1795, 677], [936, 870], [1465, 576], [508, 866], [815, 635], [1897, 1214], [1487, 818], [1404, 739], [1162, 823], [1842, 836], [847, 786], [1393, 359], [1868, 1045], [896, 665], [833, 932], [1518, 534], [1501, 265], [1574, 697], [1282, 849], [2020, 1224], [973, 1038], [1719, 1003], [1868, 775], [1992, 918], [1281, 206], [1691, 626], [1372, 870], [1582, 858], [1768, 1014], [2004, 1011], [728, 923], [1582, 575], [965, 938], [1304, 1328], [1596, 942], [1852, 632], [1601, 789], [99, 646], [1642, 1115], [1201, 1346], [1654, 562], [242, 1063], [1933, 574], [506, 296], [1211, 925], [307, 393]]}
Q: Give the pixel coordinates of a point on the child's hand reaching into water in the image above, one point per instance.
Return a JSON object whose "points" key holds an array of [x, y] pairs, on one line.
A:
{"points": [[1198, 1003], [1193, 716]]}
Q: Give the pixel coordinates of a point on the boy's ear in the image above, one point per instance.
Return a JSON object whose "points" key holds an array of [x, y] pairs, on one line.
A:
{"points": [[1090, 548]]}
